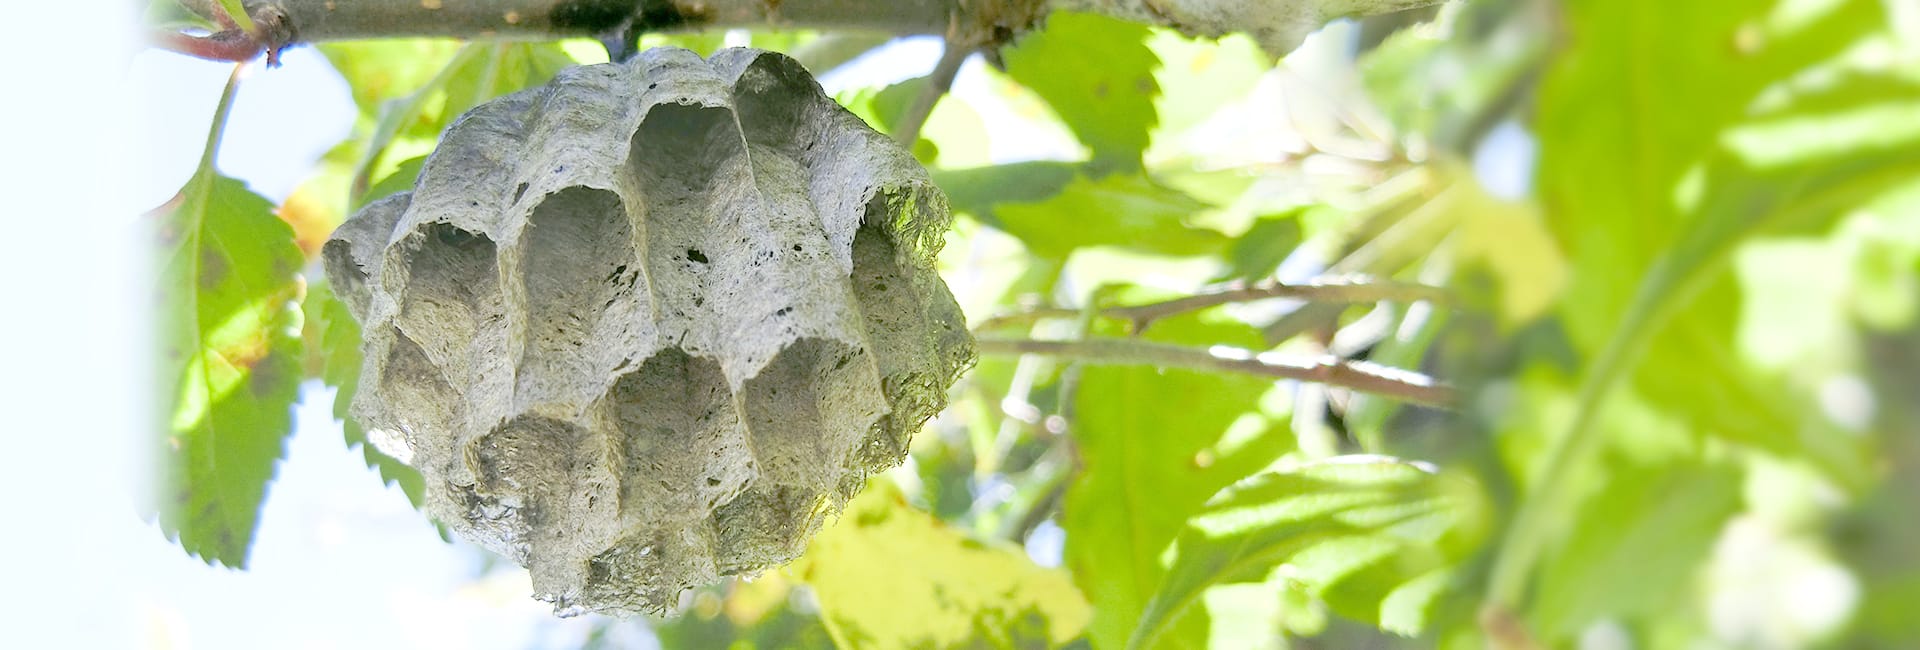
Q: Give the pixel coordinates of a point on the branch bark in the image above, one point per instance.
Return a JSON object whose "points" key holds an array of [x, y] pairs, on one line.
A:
{"points": [[1277, 24], [1373, 378]]}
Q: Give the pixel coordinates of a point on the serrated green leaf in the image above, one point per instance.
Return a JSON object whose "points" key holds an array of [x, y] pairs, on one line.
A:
{"points": [[339, 348], [890, 576], [1098, 74], [1369, 521], [1127, 211], [229, 362], [1154, 445]]}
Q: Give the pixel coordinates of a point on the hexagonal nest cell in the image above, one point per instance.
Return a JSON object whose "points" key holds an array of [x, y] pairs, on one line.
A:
{"points": [[649, 324]]}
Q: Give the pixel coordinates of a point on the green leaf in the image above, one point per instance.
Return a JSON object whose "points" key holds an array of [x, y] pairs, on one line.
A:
{"points": [[379, 71], [1257, 253], [890, 576], [1647, 521], [171, 16], [229, 365], [1652, 204], [979, 190], [1154, 445], [1199, 76], [401, 180], [1098, 74], [1127, 211], [1361, 519], [338, 345]]}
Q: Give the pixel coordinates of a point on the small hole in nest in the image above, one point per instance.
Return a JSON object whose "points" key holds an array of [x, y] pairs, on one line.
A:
{"points": [[697, 256]]}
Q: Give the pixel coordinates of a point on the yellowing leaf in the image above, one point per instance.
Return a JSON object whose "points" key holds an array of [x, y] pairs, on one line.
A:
{"points": [[890, 576], [1512, 240]]}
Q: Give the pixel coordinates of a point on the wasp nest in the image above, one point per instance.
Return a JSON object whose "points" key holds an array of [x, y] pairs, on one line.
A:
{"points": [[647, 325]]}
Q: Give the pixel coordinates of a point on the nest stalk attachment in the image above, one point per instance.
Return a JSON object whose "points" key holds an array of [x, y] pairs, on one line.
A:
{"points": [[649, 324]]}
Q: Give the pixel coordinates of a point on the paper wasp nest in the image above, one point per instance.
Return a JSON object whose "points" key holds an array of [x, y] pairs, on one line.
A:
{"points": [[647, 325]]}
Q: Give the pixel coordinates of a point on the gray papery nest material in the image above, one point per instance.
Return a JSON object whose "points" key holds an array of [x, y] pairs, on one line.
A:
{"points": [[651, 323]]}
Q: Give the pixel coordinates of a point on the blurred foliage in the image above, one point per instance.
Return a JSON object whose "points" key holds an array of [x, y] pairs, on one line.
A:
{"points": [[1682, 242]]}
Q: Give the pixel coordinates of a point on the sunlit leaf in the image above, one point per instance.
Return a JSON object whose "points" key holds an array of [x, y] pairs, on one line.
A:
{"points": [[229, 365], [1098, 74], [1155, 445], [1649, 521], [1365, 521], [383, 70], [978, 190], [1652, 203], [1510, 239], [1117, 210], [1199, 76], [889, 576], [1257, 253]]}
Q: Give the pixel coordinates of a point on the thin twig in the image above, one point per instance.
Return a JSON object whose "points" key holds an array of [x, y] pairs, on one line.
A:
{"points": [[1333, 290], [1374, 378], [242, 36], [938, 83]]}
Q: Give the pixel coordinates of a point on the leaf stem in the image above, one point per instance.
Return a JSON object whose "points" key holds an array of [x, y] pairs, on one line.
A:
{"points": [[1356, 375], [219, 127], [938, 83]]}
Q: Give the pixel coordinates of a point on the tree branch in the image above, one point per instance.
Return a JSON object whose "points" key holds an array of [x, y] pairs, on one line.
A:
{"points": [[1277, 24], [1373, 378], [1332, 290], [333, 20]]}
